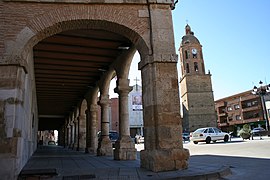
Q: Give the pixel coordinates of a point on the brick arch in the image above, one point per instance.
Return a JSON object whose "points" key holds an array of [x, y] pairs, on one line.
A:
{"points": [[118, 20]]}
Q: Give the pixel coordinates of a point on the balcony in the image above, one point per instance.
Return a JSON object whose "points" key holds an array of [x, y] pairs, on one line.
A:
{"points": [[223, 124], [223, 114], [251, 108]]}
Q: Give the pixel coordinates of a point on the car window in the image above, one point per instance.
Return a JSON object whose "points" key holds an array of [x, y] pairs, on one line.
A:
{"points": [[210, 130], [217, 130], [200, 130], [113, 135], [205, 131]]}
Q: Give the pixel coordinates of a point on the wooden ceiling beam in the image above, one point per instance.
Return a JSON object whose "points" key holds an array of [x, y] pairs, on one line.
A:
{"points": [[72, 56], [55, 61], [76, 49]]}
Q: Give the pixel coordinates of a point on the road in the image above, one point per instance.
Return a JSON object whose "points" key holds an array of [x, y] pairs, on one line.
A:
{"points": [[247, 159]]}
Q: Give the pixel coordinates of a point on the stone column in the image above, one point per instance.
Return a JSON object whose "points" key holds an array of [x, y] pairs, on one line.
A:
{"points": [[81, 132], [71, 134], [104, 144], [93, 128], [162, 123], [65, 134], [87, 148], [124, 146], [68, 135], [75, 142], [161, 103]]}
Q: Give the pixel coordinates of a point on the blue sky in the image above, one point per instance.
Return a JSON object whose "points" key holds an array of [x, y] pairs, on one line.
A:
{"points": [[235, 35]]}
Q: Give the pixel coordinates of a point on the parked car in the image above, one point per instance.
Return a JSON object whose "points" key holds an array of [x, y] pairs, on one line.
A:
{"points": [[51, 143], [185, 136], [259, 131], [209, 134], [113, 135]]}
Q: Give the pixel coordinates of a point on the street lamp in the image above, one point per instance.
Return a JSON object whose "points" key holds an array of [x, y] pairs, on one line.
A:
{"points": [[262, 91]]}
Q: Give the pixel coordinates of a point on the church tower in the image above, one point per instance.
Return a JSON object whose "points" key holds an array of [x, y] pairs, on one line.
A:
{"points": [[196, 86]]}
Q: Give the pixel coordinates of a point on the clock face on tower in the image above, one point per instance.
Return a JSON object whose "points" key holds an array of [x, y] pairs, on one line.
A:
{"points": [[194, 51]]}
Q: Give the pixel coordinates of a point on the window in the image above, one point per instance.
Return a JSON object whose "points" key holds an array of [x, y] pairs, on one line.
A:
{"points": [[217, 130], [196, 68], [187, 67], [210, 130], [229, 108], [186, 54], [237, 117], [254, 103], [249, 104], [236, 106]]}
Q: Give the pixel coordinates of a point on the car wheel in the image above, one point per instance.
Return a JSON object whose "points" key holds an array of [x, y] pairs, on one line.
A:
{"points": [[226, 138], [195, 142], [208, 140]]}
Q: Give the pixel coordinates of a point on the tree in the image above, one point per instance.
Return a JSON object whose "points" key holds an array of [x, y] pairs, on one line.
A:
{"points": [[245, 132]]}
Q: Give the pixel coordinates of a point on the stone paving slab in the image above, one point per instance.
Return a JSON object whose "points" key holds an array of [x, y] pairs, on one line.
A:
{"points": [[73, 165]]}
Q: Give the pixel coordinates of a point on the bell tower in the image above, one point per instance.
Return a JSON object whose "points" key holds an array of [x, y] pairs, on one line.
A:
{"points": [[196, 86]]}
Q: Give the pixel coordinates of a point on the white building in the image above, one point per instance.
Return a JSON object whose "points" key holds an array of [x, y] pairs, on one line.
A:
{"points": [[136, 111]]}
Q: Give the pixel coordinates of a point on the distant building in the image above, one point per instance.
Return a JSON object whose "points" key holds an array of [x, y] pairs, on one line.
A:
{"points": [[239, 109], [114, 114], [196, 86], [135, 112]]}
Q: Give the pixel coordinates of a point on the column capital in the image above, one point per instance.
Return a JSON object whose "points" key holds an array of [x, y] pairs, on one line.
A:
{"points": [[82, 116], [122, 86], [104, 100], [93, 107]]}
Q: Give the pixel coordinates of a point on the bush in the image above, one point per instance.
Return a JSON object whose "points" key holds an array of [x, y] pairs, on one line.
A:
{"points": [[245, 132]]}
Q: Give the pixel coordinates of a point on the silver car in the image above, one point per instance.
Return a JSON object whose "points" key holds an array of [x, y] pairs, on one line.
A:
{"points": [[209, 134]]}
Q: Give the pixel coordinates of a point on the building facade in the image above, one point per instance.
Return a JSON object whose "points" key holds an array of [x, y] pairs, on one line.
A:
{"points": [[239, 109], [135, 111], [196, 86]]}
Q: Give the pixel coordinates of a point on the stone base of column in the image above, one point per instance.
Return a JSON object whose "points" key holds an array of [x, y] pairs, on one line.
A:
{"points": [[165, 160], [105, 147], [125, 149], [90, 150]]}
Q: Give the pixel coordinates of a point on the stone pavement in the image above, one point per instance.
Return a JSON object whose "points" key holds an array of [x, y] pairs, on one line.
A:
{"points": [[74, 165]]}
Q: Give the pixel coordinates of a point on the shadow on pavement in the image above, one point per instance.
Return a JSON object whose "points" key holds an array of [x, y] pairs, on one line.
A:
{"points": [[241, 167]]}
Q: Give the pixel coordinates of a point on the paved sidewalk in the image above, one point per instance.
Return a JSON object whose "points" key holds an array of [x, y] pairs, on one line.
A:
{"points": [[71, 165]]}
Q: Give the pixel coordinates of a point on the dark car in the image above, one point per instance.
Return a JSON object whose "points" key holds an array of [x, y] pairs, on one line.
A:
{"points": [[185, 136], [259, 131], [51, 143], [113, 135]]}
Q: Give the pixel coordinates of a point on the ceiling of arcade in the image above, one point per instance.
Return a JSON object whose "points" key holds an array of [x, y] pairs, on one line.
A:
{"points": [[67, 65]]}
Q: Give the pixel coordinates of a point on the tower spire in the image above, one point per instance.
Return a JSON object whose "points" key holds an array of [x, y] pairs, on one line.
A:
{"points": [[188, 29]]}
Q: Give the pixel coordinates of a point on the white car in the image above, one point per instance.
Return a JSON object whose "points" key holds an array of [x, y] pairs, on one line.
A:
{"points": [[209, 134]]}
